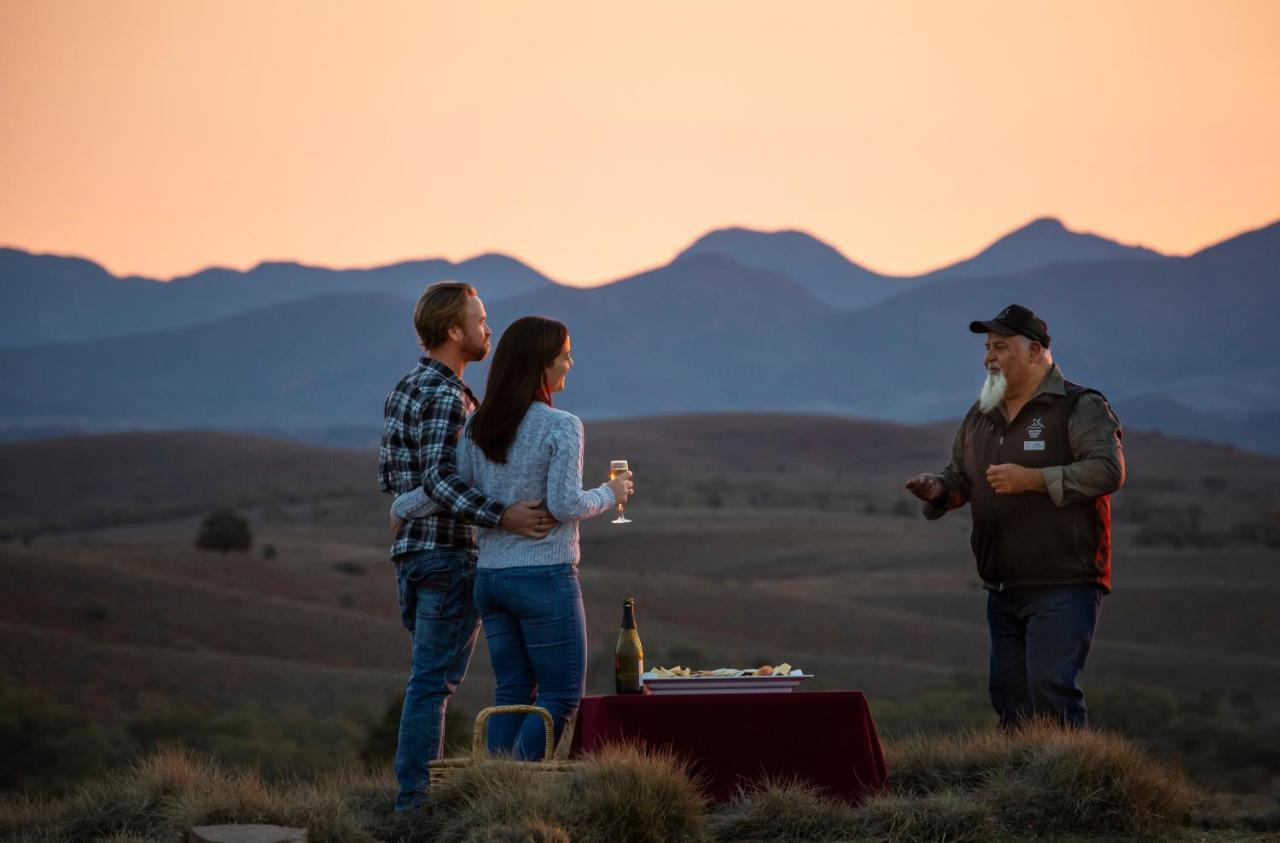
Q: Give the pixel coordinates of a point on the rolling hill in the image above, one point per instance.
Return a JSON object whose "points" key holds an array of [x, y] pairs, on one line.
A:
{"points": [[754, 538]]}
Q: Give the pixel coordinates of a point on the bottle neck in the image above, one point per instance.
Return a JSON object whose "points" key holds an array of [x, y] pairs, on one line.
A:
{"points": [[628, 616]]}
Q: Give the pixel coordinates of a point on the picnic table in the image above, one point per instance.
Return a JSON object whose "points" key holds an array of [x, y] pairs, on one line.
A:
{"points": [[825, 738]]}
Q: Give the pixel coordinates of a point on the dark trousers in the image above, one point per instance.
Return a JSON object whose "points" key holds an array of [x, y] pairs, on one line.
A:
{"points": [[1040, 638]]}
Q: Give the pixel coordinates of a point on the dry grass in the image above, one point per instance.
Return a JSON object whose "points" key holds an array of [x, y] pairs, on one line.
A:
{"points": [[624, 793], [784, 810], [523, 831], [1046, 780], [948, 815], [162, 796], [498, 794], [1040, 782]]}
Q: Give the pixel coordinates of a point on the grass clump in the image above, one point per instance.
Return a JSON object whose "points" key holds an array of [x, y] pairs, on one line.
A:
{"points": [[1047, 780], [526, 831], [784, 811], [483, 797], [155, 797], [162, 796], [627, 794], [951, 815], [1041, 781]]}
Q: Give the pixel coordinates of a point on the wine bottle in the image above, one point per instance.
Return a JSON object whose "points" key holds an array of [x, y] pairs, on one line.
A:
{"points": [[628, 656]]}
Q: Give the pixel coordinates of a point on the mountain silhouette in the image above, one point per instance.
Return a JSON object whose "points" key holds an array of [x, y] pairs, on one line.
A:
{"points": [[826, 273], [1041, 242], [45, 297], [1178, 344], [839, 282]]}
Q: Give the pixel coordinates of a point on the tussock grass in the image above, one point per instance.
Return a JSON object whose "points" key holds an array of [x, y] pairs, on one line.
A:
{"points": [[526, 831], [1041, 781], [624, 793], [784, 811], [1048, 780], [948, 815], [1253, 812], [163, 795], [486, 796]]}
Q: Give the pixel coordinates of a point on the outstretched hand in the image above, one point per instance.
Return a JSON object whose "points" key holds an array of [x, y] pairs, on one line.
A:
{"points": [[530, 519], [926, 487]]}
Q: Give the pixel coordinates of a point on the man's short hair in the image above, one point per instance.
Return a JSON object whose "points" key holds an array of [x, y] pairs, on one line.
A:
{"points": [[440, 308]]}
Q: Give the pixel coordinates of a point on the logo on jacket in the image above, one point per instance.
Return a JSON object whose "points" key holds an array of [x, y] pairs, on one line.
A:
{"points": [[1035, 428]]}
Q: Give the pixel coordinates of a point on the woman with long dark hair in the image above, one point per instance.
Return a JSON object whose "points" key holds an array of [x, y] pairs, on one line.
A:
{"points": [[518, 447]]}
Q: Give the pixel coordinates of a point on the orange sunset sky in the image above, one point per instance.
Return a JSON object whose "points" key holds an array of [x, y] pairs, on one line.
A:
{"points": [[595, 139]]}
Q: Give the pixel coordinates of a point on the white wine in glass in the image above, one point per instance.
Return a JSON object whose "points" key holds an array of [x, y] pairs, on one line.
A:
{"points": [[617, 467]]}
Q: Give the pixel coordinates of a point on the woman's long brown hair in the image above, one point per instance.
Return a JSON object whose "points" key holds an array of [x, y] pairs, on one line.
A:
{"points": [[516, 380]]}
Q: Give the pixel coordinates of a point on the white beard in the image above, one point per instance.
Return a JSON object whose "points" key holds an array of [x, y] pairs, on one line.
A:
{"points": [[992, 394]]}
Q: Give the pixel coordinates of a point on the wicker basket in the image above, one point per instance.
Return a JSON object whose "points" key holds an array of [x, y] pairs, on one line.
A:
{"points": [[446, 769]]}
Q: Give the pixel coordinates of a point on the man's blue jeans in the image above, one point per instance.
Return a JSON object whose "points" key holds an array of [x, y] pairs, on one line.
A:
{"points": [[537, 634], [437, 607], [1040, 638]]}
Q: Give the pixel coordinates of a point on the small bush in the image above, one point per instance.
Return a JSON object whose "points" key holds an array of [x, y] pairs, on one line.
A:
{"points": [[381, 738], [350, 568], [224, 531], [45, 745]]}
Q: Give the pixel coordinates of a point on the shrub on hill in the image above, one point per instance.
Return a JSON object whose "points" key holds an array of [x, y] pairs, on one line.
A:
{"points": [[44, 745], [380, 738], [224, 531]]}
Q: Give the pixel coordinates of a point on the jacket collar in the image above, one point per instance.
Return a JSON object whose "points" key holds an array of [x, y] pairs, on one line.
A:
{"points": [[449, 375], [1053, 383]]}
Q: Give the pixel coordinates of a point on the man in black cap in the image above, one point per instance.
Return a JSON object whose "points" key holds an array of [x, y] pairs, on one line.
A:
{"points": [[1037, 457]]}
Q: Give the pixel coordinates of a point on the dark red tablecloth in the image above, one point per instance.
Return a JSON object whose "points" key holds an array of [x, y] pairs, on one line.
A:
{"points": [[826, 738]]}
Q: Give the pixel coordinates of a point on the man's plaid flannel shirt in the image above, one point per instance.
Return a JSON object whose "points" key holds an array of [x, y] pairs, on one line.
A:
{"points": [[422, 419]]}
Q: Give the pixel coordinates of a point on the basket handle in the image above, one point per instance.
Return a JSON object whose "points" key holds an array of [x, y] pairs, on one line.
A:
{"points": [[480, 738]]}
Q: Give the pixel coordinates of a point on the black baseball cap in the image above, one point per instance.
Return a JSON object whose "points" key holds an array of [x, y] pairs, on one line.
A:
{"points": [[1015, 319]]}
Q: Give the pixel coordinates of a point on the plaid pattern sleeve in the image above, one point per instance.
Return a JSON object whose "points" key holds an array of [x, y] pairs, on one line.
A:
{"points": [[421, 422]]}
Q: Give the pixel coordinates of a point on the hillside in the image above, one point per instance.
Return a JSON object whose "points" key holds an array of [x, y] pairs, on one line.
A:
{"points": [[755, 537]]}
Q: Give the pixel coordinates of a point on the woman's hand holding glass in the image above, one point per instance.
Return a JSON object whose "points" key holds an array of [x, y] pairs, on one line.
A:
{"points": [[619, 470], [622, 487]]}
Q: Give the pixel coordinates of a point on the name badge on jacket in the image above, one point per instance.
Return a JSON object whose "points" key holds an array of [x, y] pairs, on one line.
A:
{"points": [[1037, 445]]}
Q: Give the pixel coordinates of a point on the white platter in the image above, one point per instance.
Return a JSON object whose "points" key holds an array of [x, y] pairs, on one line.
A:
{"points": [[661, 685]]}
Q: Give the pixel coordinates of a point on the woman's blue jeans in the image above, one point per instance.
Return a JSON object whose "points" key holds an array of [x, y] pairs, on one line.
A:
{"points": [[537, 633]]}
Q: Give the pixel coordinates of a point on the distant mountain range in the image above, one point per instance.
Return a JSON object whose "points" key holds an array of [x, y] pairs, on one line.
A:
{"points": [[741, 320], [47, 298], [837, 281]]}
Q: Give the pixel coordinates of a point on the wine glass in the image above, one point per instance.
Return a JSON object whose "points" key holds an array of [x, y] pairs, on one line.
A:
{"points": [[617, 467]]}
